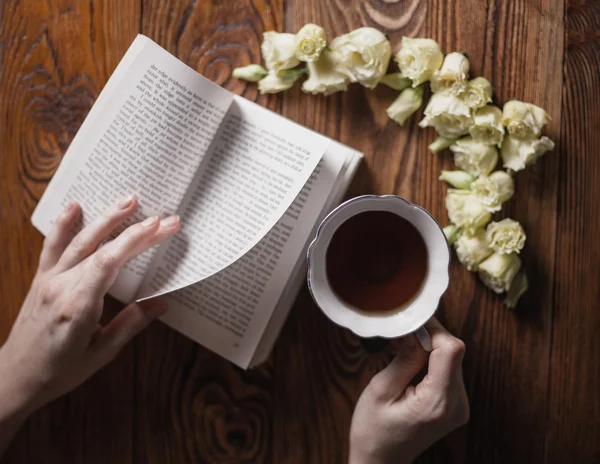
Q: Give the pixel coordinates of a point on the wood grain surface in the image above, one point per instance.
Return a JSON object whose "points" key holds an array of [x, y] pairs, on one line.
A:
{"points": [[533, 377]]}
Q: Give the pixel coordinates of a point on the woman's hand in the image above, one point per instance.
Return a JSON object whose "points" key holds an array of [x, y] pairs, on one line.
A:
{"points": [[57, 341], [395, 421]]}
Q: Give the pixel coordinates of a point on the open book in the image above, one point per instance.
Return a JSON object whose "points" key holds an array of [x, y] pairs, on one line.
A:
{"points": [[250, 187]]}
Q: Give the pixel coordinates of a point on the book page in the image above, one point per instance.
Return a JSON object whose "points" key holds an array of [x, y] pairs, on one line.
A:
{"points": [[298, 274], [258, 164], [228, 312], [146, 135]]}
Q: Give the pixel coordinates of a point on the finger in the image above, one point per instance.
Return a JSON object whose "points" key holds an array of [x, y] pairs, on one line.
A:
{"points": [[445, 360], [59, 237], [102, 267], [391, 382], [169, 226], [86, 241], [130, 321]]}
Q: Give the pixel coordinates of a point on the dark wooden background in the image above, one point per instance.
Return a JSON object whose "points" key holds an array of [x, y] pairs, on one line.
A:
{"points": [[533, 377]]}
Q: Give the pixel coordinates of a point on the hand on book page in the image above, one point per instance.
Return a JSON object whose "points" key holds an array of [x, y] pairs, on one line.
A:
{"points": [[257, 165], [147, 134], [57, 341]]}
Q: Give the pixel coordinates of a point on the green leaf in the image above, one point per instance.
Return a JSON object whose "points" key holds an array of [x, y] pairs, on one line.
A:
{"points": [[517, 288], [441, 143], [458, 179], [396, 81], [451, 232]]}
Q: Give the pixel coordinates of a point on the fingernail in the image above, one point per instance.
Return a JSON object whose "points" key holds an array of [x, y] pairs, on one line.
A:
{"points": [[169, 221], [148, 222], [126, 202], [71, 206]]}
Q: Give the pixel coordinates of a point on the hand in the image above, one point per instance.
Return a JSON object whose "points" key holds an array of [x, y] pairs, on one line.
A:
{"points": [[57, 342], [395, 421]]}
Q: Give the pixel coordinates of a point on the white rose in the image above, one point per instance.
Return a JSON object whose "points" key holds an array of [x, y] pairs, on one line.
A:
{"points": [[279, 51], [274, 83], [478, 93], [310, 42], [364, 55], [323, 75], [517, 153], [458, 179], [452, 75], [466, 211], [403, 107], [418, 59], [493, 190], [471, 250], [524, 120], [506, 236], [476, 158], [449, 115], [498, 271], [487, 125], [252, 72]]}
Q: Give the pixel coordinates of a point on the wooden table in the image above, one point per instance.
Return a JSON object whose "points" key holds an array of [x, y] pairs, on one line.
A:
{"points": [[533, 377]]}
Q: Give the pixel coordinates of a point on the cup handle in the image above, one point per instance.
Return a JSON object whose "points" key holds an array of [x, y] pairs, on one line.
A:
{"points": [[424, 339]]}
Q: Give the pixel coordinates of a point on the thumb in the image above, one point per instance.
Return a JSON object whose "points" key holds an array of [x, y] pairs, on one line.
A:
{"points": [[130, 321], [391, 382]]}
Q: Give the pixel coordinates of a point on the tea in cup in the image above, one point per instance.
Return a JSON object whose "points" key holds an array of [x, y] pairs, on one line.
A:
{"points": [[379, 266]]}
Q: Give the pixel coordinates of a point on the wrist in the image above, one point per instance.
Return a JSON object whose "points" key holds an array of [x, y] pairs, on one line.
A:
{"points": [[359, 456], [16, 399]]}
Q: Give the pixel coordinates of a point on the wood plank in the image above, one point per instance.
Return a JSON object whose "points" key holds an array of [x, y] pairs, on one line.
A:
{"points": [[191, 405], [328, 363], [506, 367], [56, 57], [507, 357], [573, 417]]}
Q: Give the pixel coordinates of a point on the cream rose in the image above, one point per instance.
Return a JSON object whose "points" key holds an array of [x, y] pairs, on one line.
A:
{"points": [[418, 59], [458, 179], [310, 42], [487, 125], [279, 51], [524, 120], [448, 115], [403, 107], [452, 75], [493, 190], [466, 211], [323, 75], [471, 250], [506, 236], [274, 83], [474, 157], [478, 93], [498, 271], [518, 153], [364, 55]]}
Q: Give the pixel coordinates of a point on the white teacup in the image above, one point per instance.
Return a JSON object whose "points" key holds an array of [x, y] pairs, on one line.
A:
{"points": [[405, 319]]}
